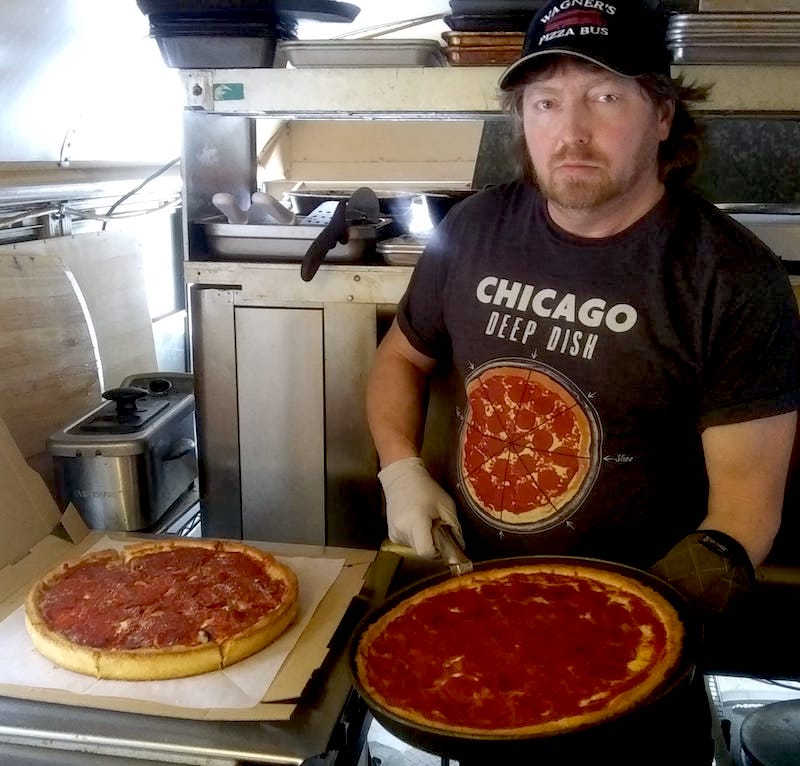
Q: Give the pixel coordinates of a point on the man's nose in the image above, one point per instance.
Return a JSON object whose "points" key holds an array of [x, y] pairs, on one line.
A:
{"points": [[575, 124]]}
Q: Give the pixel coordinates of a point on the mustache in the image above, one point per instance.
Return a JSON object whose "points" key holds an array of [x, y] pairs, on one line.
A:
{"points": [[576, 154]]}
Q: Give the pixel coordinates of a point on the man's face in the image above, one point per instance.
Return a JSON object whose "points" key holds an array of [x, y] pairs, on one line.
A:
{"points": [[592, 135]]}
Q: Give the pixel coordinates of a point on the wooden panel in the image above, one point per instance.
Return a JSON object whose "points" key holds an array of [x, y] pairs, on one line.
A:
{"points": [[49, 372]]}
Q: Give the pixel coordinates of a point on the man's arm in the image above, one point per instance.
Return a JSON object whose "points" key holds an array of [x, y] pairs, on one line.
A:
{"points": [[747, 464], [396, 407], [396, 397]]}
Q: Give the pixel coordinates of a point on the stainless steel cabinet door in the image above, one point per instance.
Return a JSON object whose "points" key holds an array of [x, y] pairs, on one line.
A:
{"points": [[279, 369]]}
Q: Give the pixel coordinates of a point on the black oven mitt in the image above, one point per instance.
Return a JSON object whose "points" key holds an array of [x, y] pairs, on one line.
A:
{"points": [[710, 568]]}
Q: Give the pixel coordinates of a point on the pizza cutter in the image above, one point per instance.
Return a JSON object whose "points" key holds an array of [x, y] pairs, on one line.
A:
{"points": [[446, 542]]}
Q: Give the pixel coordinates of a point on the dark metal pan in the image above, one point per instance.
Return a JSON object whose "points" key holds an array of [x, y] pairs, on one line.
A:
{"points": [[488, 748]]}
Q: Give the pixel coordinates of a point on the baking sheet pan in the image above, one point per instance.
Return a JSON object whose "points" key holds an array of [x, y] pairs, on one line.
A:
{"points": [[283, 242], [489, 55], [734, 53], [362, 53]]}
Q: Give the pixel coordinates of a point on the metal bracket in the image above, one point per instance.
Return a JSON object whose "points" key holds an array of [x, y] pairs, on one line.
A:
{"points": [[199, 89]]}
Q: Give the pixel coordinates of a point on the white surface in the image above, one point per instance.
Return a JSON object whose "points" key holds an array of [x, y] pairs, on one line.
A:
{"points": [[240, 686], [394, 752], [743, 688]]}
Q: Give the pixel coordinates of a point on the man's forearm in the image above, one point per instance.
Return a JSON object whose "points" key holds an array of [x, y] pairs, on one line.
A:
{"points": [[396, 399], [747, 465], [395, 418]]}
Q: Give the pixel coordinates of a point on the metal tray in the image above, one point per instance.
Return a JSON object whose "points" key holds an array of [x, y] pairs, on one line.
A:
{"points": [[733, 20], [489, 22], [362, 53], [282, 242], [402, 251], [471, 39], [735, 53], [482, 55], [496, 6]]}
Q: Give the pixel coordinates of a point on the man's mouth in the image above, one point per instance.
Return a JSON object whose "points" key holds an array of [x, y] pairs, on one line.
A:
{"points": [[577, 166]]}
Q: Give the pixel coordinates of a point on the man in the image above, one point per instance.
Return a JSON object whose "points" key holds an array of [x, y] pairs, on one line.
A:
{"points": [[662, 329]]}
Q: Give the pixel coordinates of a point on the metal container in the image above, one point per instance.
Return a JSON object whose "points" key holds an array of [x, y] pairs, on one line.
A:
{"points": [[734, 37], [362, 53], [125, 463], [282, 242], [402, 251]]}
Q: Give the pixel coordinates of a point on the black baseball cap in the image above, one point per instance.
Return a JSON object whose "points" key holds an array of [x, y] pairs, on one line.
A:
{"points": [[624, 36]]}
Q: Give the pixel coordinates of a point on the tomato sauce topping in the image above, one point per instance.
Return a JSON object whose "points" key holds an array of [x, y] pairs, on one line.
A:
{"points": [[183, 597], [512, 652]]}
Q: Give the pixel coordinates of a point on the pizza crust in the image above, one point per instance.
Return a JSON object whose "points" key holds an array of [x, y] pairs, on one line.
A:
{"points": [[204, 655], [657, 665], [69, 655]]}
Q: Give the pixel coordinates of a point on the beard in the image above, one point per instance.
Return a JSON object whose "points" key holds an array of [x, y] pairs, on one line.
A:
{"points": [[579, 193], [590, 189]]}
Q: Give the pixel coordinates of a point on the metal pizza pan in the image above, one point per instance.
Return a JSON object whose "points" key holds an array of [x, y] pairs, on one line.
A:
{"points": [[577, 740]]}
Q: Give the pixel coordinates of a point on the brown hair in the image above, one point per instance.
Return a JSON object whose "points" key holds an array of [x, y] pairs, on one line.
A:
{"points": [[678, 155]]}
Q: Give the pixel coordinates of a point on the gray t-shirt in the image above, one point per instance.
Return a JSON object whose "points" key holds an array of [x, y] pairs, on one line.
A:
{"points": [[683, 321]]}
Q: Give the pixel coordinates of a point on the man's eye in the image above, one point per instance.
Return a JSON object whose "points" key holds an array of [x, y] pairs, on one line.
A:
{"points": [[544, 105], [607, 98]]}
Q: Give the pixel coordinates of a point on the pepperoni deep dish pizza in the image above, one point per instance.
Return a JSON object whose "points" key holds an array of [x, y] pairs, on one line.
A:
{"points": [[164, 609], [537, 649], [528, 447]]}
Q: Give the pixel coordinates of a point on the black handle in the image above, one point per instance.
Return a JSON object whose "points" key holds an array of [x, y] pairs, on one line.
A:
{"points": [[335, 231], [125, 397]]}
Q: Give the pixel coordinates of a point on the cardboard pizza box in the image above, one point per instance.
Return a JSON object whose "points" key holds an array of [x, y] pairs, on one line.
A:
{"points": [[35, 536], [31, 534]]}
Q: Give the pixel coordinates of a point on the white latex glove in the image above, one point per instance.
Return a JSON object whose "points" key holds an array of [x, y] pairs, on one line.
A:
{"points": [[413, 501]]}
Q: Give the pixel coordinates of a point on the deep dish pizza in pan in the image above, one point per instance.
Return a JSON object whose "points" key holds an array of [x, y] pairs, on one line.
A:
{"points": [[534, 649]]}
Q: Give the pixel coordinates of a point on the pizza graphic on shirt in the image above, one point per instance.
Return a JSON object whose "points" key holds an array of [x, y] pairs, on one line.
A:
{"points": [[529, 448]]}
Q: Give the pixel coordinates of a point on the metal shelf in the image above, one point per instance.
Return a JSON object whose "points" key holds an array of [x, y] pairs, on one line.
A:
{"points": [[448, 93]]}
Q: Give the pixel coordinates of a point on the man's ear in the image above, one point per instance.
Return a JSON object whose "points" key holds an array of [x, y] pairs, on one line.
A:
{"points": [[666, 113]]}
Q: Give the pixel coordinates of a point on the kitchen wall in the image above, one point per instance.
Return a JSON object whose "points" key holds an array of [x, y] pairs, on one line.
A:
{"points": [[81, 79], [89, 112]]}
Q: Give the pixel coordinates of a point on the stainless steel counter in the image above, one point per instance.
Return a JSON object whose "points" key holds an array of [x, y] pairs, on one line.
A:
{"points": [[328, 726]]}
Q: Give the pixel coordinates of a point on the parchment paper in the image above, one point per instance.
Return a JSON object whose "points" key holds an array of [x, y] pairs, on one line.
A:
{"points": [[240, 686]]}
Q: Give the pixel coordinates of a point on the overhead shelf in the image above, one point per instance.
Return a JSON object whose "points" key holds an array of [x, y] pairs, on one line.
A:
{"points": [[424, 93]]}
